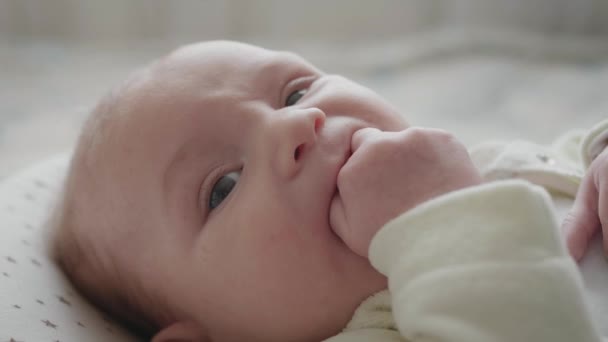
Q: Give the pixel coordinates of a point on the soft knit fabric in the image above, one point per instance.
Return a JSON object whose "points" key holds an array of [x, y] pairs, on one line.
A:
{"points": [[487, 263]]}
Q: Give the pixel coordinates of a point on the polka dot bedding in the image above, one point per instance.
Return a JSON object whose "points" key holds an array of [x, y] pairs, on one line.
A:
{"points": [[37, 303]]}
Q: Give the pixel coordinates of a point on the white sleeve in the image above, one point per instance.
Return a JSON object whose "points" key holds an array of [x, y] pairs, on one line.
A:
{"points": [[483, 264], [594, 142]]}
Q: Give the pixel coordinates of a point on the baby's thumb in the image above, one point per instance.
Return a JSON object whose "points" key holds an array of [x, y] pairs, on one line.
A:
{"points": [[582, 221], [361, 136]]}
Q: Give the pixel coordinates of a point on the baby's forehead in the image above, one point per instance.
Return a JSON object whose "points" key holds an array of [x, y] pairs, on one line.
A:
{"points": [[215, 72], [228, 57], [219, 48], [201, 76], [215, 55]]}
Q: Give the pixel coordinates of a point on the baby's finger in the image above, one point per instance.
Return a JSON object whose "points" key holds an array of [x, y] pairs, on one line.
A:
{"points": [[362, 135], [582, 221], [602, 206], [340, 225]]}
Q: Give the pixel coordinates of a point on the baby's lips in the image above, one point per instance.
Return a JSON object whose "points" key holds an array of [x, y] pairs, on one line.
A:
{"points": [[362, 135]]}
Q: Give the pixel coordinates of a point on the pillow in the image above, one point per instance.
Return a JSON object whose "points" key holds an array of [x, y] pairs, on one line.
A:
{"points": [[37, 303]]}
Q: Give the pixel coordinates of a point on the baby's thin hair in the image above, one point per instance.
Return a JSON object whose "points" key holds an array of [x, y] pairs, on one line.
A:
{"points": [[90, 266], [126, 303]]}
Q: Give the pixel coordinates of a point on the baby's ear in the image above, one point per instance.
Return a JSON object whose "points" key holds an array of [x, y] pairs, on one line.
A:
{"points": [[183, 331]]}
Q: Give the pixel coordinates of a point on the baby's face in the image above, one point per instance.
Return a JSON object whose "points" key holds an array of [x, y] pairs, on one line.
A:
{"points": [[226, 160]]}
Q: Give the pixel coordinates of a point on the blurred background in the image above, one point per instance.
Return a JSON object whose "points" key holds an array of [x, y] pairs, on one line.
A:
{"points": [[484, 69]]}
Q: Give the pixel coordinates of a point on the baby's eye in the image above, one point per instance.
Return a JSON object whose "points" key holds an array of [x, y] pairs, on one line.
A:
{"points": [[294, 97], [222, 188]]}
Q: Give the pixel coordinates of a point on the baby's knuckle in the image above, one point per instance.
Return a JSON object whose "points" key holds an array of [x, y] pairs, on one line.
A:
{"points": [[428, 140], [405, 139], [415, 133], [432, 135], [444, 136], [383, 146]]}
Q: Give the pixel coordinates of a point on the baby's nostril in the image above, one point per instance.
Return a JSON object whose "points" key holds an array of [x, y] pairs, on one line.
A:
{"points": [[298, 151], [318, 123]]}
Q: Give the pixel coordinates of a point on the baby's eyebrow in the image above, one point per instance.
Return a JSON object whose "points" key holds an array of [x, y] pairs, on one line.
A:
{"points": [[272, 66], [280, 73], [282, 63]]}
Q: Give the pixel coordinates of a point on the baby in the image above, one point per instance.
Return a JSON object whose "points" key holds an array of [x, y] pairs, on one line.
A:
{"points": [[231, 193]]}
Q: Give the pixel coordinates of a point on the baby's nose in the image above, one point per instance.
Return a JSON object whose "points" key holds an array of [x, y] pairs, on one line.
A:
{"points": [[297, 133]]}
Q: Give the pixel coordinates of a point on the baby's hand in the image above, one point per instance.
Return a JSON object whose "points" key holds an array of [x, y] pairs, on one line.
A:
{"points": [[590, 209], [391, 172]]}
